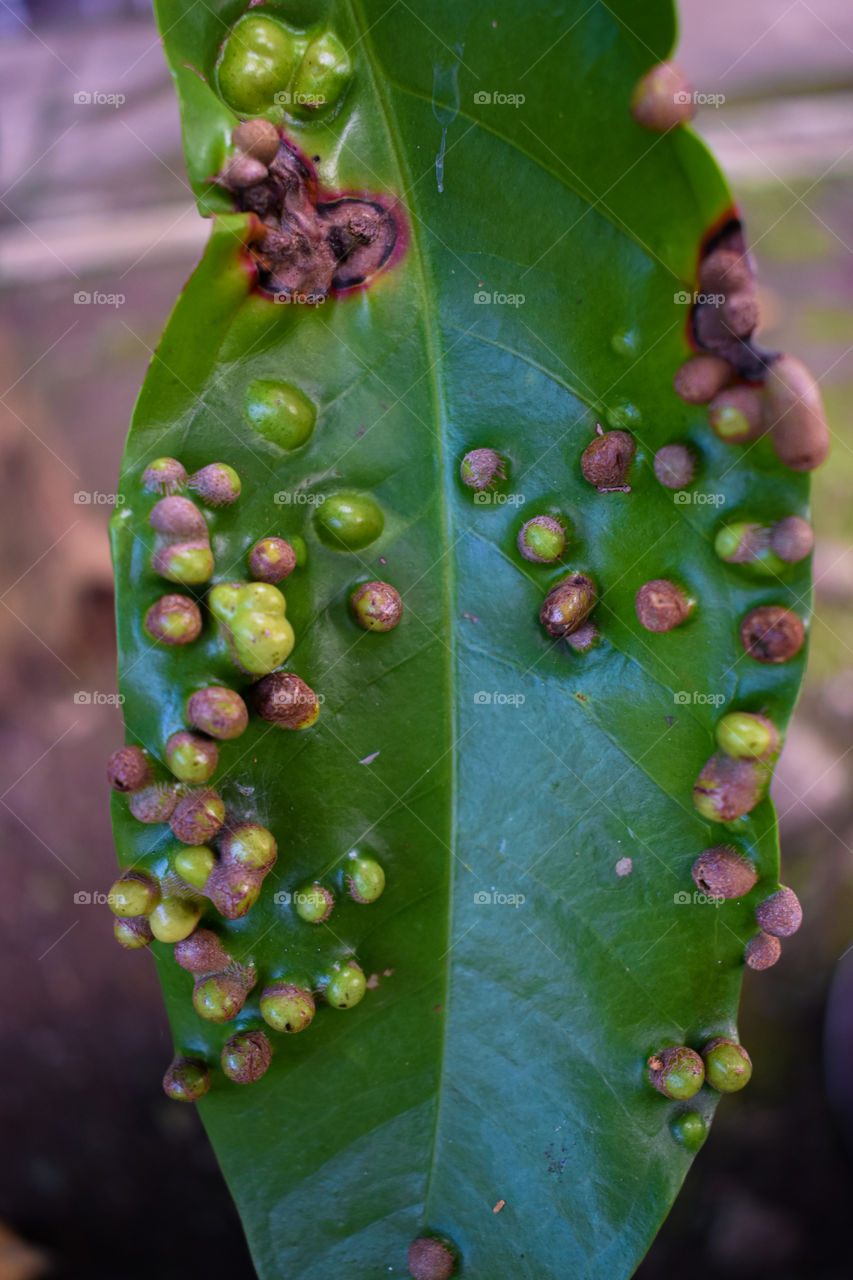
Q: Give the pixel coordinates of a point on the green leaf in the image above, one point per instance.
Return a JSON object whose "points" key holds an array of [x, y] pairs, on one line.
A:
{"points": [[518, 983]]}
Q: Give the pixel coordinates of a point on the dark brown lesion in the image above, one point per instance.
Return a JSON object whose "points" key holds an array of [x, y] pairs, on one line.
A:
{"points": [[305, 247], [727, 270]]}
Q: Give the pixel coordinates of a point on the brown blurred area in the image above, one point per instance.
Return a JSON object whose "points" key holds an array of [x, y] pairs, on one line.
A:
{"points": [[102, 1177]]}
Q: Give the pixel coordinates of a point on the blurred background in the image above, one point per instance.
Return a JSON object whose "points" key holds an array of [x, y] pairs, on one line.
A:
{"points": [[101, 1175]]}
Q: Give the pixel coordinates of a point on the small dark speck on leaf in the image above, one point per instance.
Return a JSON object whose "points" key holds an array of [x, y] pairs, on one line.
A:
{"points": [[500, 1204], [670, 720], [436, 1008], [581, 697], [360, 432], [472, 617]]}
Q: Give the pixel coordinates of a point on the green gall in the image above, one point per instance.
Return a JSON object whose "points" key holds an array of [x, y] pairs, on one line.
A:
{"points": [[736, 415], [676, 1073], [286, 700], [377, 606], [430, 1259], [257, 61], [345, 986], [792, 539], [542, 540], [746, 736], [258, 139], [662, 98], [217, 484], [481, 469], [674, 466], [223, 599], [218, 711], [771, 633], [202, 953], [780, 915], [606, 461], [250, 846], [132, 933], [349, 521], [280, 412], [246, 1057], [287, 1007], [722, 872], [189, 563], [322, 77], [128, 770], [728, 1066], [164, 475], [198, 817], [661, 605], [253, 619], [272, 560], [173, 619], [762, 951], [795, 415], [701, 378], [727, 788], [134, 894], [190, 757], [233, 890], [187, 1080], [313, 903], [364, 878], [155, 803], [690, 1129], [174, 919], [745, 542], [177, 517], [219, 997], [567, 605], [194, 864]]}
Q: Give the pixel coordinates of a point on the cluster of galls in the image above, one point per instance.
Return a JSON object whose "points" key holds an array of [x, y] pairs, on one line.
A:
{"points": [[221, 858], [725, 872], [679, 1072]]}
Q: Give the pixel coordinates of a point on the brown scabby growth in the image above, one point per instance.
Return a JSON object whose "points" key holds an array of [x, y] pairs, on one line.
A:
{"points": [[173, 619], [584, 638], [722, 872], [304, 246], [771, 633], [128, 769], [257, 138], [663, 98], [567, 605], [202, 952], [218, 711], [792, 539], [781, 914], [198, 816], [726, 271], [430, 1259], [154, 803], [216, 484], [606, 460], [482, 468], [661, 605], [233, 890], [178, 517], [132, 932], [727, 788], [285, 699], [271, 560], [674, 466], [762, 951], [699, 379], [795, 414]]}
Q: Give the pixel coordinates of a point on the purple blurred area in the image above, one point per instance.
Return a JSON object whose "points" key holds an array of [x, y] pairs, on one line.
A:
{"points": [[102, 1177]]}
